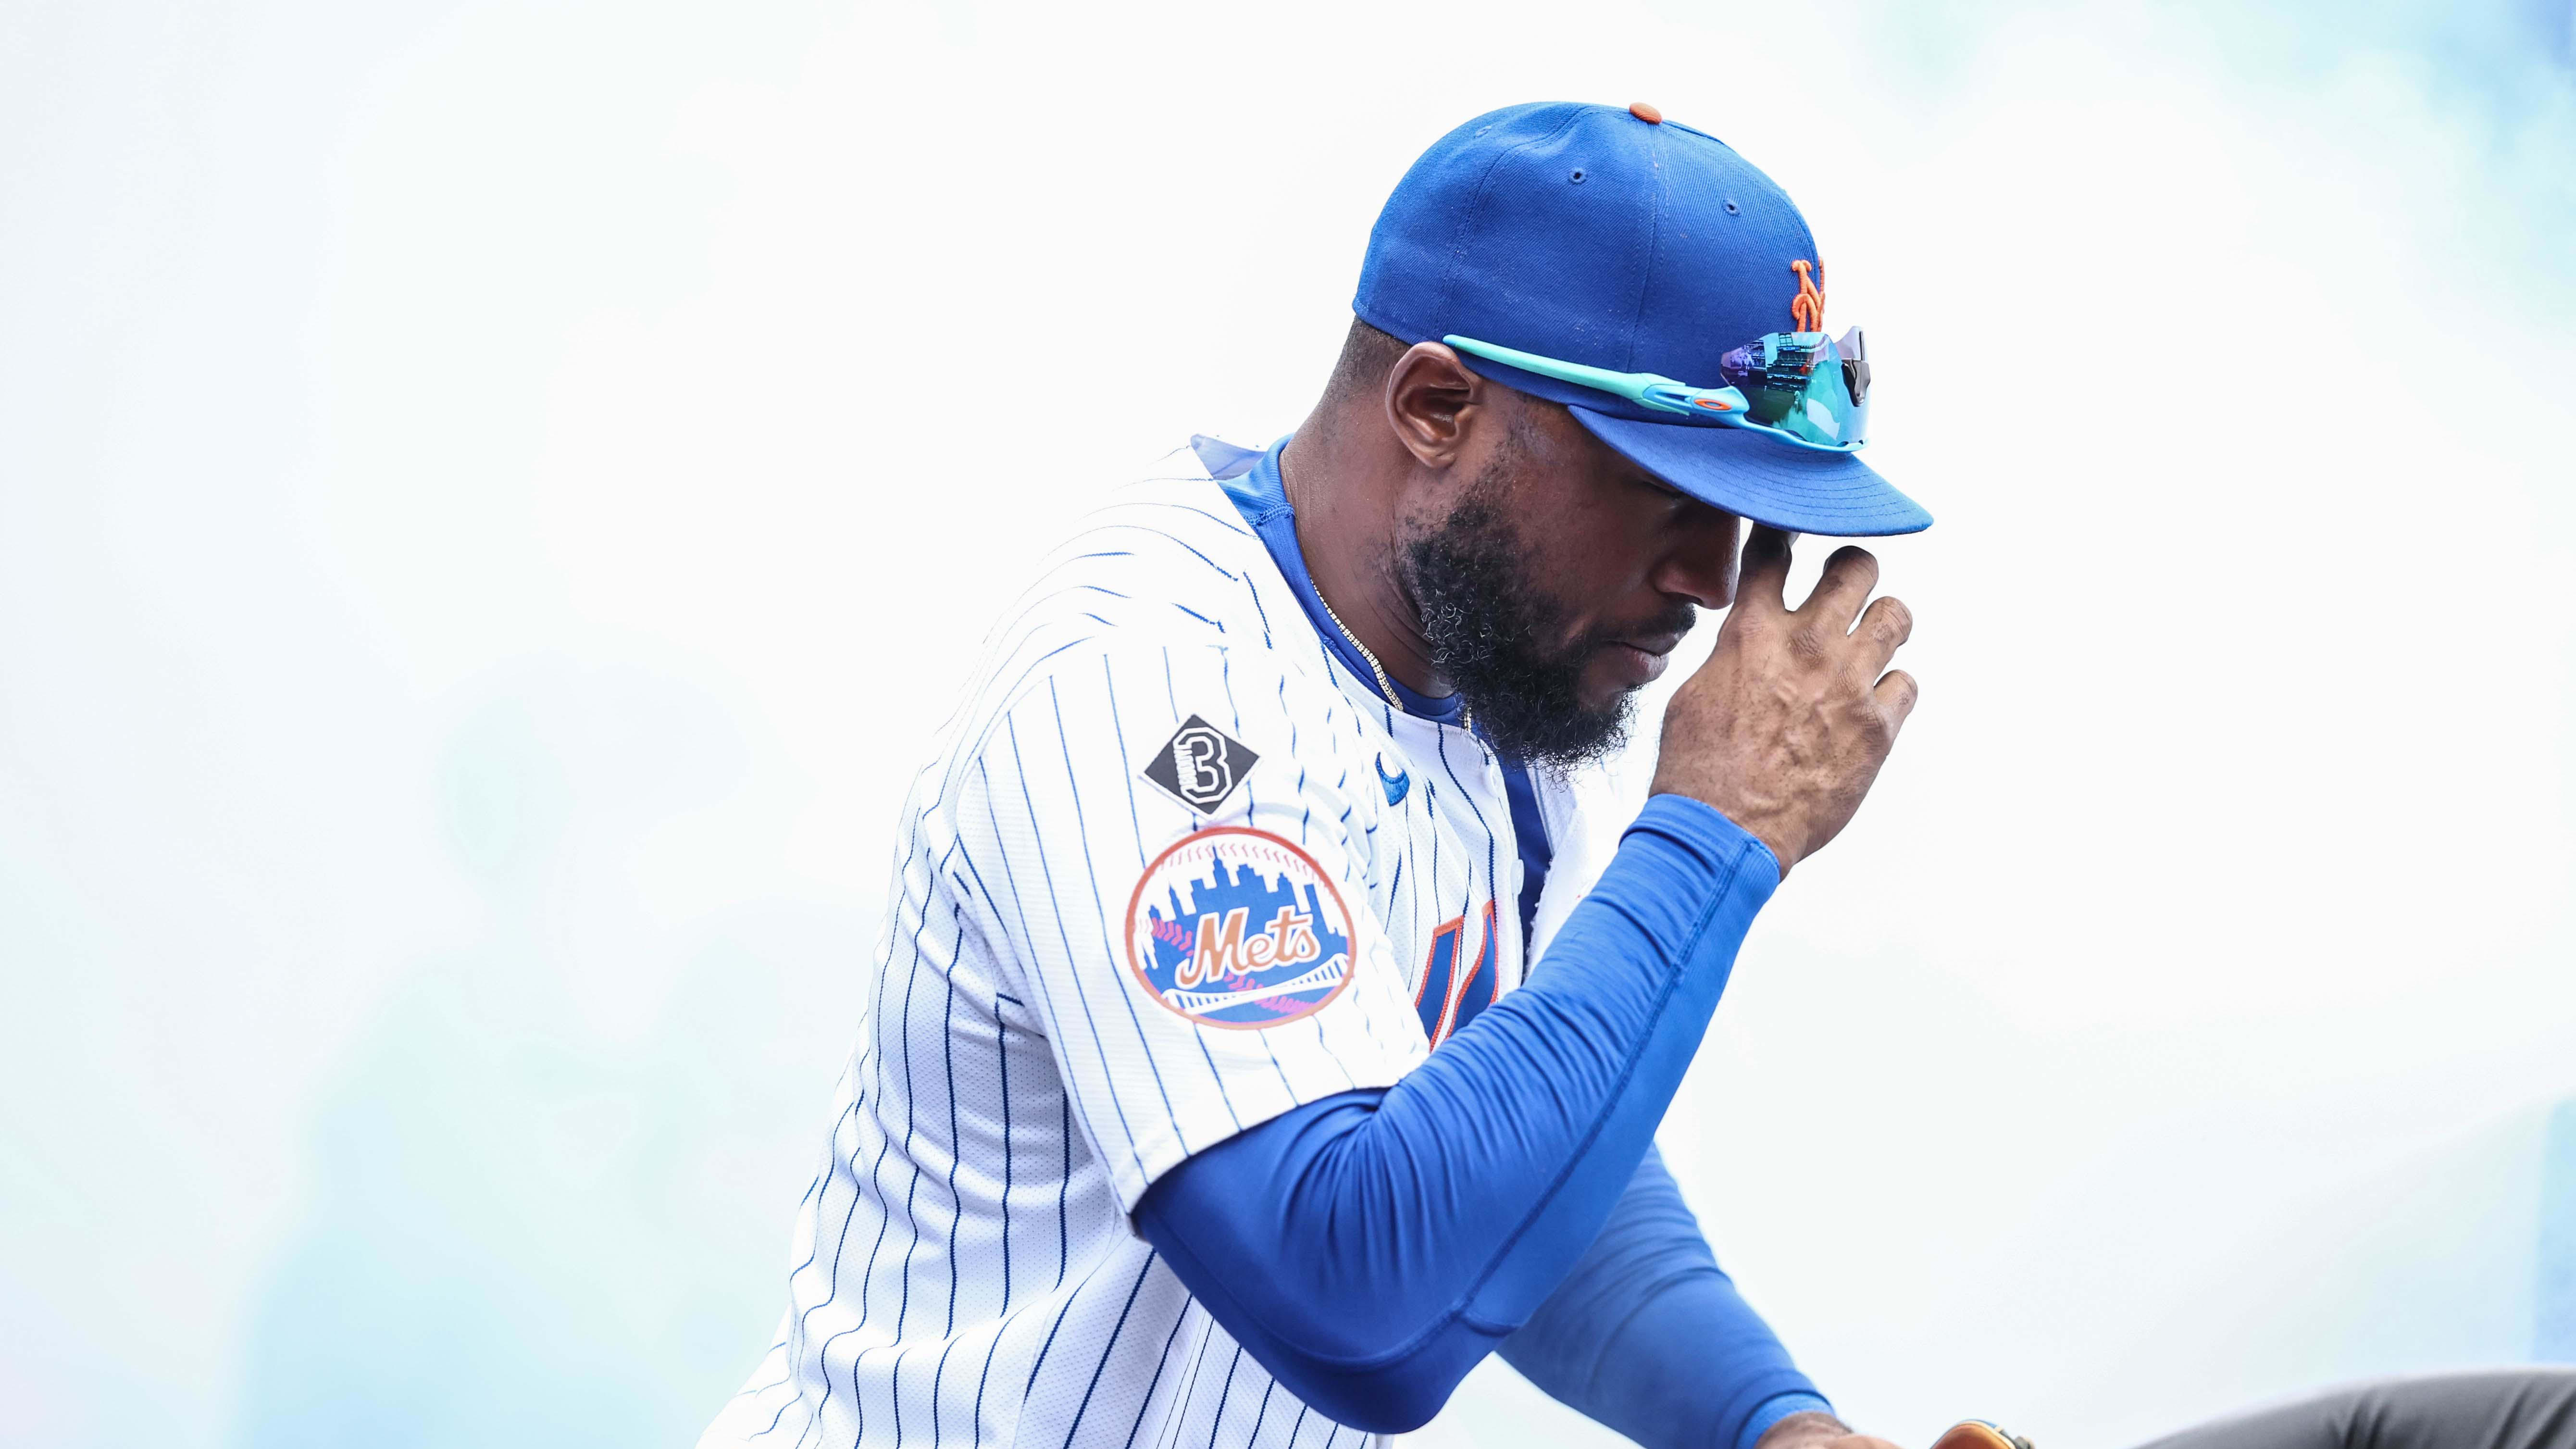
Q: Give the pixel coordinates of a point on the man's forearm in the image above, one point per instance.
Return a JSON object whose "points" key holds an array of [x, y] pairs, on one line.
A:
{"points": [[1648, 1336]]}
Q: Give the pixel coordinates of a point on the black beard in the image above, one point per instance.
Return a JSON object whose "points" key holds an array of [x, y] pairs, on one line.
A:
{"points": [[1492, 628]]}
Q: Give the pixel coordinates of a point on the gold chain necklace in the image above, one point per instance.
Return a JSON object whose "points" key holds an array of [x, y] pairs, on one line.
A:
{"points": [[1466, 717]]}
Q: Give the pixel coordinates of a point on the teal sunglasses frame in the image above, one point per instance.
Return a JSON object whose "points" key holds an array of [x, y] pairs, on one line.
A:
{"points": [[1723, 405]]}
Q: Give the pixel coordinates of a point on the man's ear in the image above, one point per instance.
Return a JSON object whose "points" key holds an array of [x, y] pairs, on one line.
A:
{"points": [[1432, 401]]}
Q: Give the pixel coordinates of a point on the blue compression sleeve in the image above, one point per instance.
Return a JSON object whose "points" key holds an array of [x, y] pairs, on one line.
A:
{"points": [[1370, 1248], [1648, 1336]]}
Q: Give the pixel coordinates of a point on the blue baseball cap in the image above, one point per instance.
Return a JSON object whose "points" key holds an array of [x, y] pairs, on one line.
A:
{"points": [[1620, 240]]}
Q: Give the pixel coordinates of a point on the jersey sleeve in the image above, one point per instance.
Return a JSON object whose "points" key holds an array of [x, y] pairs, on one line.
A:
{"points": [[1163, 843]]}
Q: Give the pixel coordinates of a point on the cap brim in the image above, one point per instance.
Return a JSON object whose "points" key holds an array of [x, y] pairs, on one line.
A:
{"points": [[1799, 489]]}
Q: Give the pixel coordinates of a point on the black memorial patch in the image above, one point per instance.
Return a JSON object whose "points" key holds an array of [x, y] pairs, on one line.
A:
{"points": [[1200, 765]]}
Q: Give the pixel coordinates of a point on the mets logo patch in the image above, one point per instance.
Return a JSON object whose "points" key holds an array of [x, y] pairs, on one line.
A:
{"points": [[1237, 928]]}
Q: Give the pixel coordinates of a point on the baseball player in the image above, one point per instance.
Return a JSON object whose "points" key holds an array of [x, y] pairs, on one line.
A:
{"points": [[1279, 997]]}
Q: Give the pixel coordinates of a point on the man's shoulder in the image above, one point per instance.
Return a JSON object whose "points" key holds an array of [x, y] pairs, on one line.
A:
{"points": [[1176, 535], [1167, 560], [1163, 566], [1177, 525]]}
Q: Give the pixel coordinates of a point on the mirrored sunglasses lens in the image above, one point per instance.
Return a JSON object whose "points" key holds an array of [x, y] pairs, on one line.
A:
{"points": [[1804, 384], [1772, 372], [1855, 356]]}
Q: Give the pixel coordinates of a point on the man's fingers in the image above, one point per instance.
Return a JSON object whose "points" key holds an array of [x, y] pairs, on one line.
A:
{"points": [[1762, 576], [1845, 584], [1884, 627], [1896, 693]]}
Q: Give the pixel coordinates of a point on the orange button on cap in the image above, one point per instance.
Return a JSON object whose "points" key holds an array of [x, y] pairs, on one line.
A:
{"points": [[1646, 113]]}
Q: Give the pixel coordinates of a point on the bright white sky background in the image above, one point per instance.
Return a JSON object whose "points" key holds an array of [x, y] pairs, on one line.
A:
{"points": [[493, 499]]}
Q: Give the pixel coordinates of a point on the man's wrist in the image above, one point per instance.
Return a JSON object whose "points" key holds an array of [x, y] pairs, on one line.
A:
{"points": [[1796, 1423], [1714, 841], [1767, 827]]}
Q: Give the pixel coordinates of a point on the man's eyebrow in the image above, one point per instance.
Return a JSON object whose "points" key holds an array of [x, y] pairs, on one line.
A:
{"points": [[1659, 485]]}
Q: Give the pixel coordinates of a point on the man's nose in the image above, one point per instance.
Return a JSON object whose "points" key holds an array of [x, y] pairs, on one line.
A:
{"points": [[1699, 558]]}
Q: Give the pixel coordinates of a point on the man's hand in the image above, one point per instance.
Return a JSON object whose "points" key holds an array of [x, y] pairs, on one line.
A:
{"points": [[1816, 1431], [1785, 726]]}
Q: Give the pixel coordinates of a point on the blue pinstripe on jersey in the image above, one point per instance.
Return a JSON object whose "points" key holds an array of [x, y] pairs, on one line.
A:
{"points": [[1145, 1400], [1080, 994], [1100, 906]]}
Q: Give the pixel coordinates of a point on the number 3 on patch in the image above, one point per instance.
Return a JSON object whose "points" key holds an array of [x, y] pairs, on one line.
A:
{"points": [[1237, 928], [1200, 765]]}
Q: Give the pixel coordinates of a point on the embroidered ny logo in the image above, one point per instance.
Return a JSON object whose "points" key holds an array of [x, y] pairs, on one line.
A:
{"points": [[1807, 309]]}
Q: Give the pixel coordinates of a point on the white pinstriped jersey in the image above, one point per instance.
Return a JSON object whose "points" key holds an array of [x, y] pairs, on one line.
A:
{"points": [[1084, 979]]}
